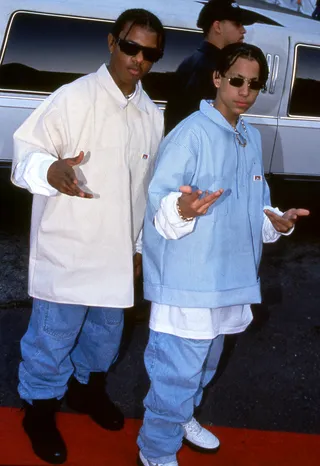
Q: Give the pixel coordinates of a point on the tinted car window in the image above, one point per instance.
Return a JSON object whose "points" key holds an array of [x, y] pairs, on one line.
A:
{"points": [[179, 44], [305, 98], [43, 52]]}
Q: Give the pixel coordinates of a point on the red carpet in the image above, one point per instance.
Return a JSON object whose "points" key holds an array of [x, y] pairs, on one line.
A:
{"points": [[89, 445]]}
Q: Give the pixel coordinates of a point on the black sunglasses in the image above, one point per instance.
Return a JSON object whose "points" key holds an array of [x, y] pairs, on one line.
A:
{"points": [[132, 48], [236, 81]]}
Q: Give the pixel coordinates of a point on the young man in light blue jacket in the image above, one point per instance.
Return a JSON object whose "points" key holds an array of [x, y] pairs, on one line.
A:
{"points": [[207, 217]]}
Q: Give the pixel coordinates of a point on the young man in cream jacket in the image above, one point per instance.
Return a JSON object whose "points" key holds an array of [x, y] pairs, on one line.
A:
{"points": [[86, 153]]}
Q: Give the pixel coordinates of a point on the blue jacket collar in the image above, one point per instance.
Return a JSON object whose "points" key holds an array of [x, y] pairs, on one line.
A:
{"points": [[213, 114]]}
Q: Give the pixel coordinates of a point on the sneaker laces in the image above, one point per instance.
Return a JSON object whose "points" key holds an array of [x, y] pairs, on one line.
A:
{"points": [[193, 427]]}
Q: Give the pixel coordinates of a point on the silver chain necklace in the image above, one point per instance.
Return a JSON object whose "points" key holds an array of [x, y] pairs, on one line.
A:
{"points": [[241, 140]]}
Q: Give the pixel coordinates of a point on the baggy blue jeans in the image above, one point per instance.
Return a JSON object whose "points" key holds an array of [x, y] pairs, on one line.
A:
{"points": [[179, 369], [66, 339]]}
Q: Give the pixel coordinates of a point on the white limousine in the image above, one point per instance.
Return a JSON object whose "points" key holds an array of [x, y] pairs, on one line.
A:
{"points": [[47, 43]]}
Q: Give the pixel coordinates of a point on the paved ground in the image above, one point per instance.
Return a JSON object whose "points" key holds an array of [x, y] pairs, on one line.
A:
{"points": [[271, 380]]}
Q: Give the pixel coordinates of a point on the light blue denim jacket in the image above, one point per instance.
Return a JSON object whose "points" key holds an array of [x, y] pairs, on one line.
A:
{"points": [[217, 264]]}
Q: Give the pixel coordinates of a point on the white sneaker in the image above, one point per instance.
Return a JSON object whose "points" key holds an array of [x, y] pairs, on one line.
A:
{"points": [[142, 461], [199, 438]]}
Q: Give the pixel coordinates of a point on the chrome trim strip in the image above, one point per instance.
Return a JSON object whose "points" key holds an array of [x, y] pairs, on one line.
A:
{"points": [[299, 117], [15, 97], [248, 115], [173, 28], [24, 91], [297, 176]]}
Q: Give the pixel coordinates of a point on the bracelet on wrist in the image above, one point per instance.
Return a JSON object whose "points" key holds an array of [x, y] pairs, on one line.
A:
{"points": [[185, 219]]}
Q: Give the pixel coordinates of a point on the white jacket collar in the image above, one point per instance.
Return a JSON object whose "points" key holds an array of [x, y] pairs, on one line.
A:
{"points": [[106, 80]]}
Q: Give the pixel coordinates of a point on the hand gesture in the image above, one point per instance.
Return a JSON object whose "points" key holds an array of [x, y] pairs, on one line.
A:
{"points": [[190, 203], [62, 177], [285, 222]]}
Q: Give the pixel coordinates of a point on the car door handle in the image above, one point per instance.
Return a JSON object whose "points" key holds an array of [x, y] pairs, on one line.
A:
{"points": [[274, 74], [269, 60]]}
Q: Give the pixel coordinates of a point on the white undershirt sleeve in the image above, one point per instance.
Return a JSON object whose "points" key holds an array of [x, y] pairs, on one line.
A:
{"points": [[269, 233], [31, 174], [138, 245], [167, 220], [169, 224]]}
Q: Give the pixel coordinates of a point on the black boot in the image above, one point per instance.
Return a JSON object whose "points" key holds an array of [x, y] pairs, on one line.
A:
{"points": [[40, 425], [92, 399]]}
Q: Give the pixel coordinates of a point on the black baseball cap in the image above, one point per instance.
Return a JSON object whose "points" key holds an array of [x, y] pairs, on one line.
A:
{"points": [[219, 10]]}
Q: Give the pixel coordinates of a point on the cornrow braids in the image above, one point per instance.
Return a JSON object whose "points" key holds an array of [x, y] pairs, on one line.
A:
{"points": [[142, 18]]}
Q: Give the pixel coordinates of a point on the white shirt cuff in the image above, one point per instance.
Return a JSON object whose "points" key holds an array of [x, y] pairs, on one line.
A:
{"points": [[31, 173], [269, 233], [167, 220]]}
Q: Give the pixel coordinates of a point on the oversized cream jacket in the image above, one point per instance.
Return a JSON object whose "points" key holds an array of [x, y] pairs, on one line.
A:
{"points": [[81, 249]]}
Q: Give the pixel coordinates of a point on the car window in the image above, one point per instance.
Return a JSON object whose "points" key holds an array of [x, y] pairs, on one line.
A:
{"points": [[179, 45], [305, 97], [43, 52]]}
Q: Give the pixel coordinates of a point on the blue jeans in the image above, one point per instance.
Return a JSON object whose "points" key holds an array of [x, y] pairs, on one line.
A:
{"points": [[63, 339], [179, 369]]}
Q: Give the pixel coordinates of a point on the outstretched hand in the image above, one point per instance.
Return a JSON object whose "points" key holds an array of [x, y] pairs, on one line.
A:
{"points": [[190, 203], [285, 222], [62, 176]]}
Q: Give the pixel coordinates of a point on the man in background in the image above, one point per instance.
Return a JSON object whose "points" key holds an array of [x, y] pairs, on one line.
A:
{"points": [[222, 23], [316, 12]]}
